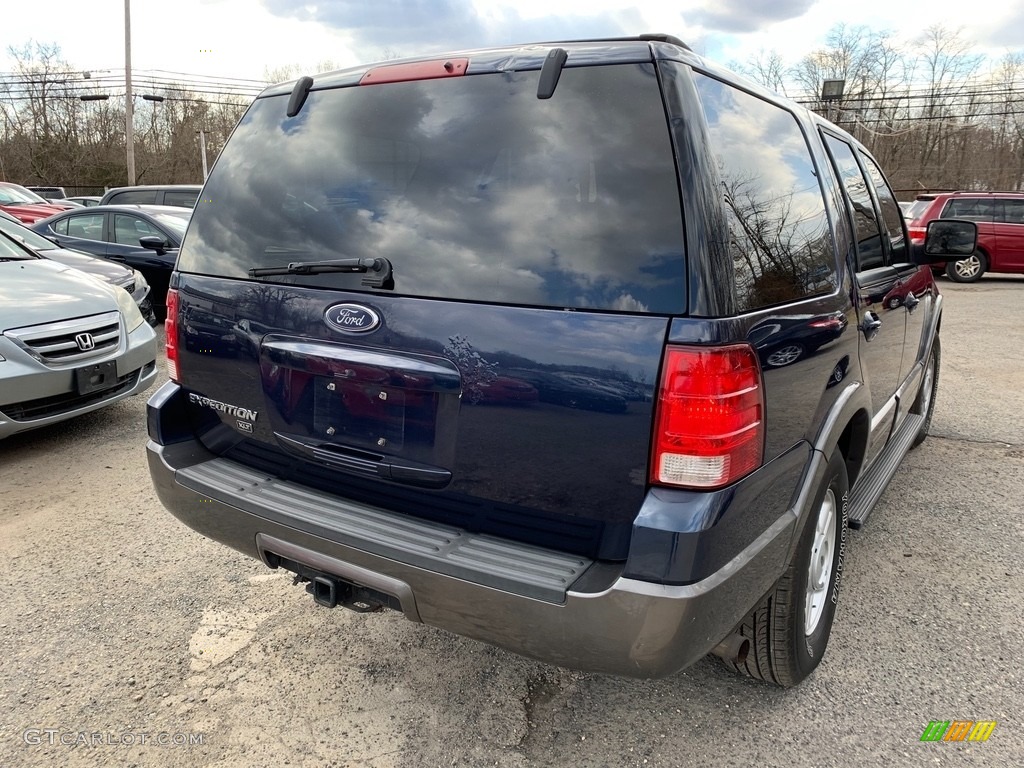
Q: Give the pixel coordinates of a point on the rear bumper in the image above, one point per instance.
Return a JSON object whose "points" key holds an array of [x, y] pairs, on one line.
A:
{"points": [[557, 608]]}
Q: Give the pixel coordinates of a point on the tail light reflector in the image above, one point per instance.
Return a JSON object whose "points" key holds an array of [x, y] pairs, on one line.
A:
{"points": [[709, 423], [916, 234], [171, 332]]}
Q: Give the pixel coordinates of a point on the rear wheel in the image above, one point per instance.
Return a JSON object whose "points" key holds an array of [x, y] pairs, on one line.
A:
{"points": [[789, 630], [924, 405], [967, 270]]}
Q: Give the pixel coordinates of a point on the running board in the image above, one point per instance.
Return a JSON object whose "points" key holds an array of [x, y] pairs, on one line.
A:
{"points": [[872, 484]]}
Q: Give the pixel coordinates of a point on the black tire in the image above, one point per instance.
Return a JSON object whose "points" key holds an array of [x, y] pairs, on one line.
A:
{"points": [[924, 405], [781, 651], [967, 270]]}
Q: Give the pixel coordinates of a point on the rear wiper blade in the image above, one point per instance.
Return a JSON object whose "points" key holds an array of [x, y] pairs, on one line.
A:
{"points": [[378, 270]]}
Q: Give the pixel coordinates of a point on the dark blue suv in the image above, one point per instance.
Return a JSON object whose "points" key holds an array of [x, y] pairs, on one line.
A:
{"points": [[589, 350]]}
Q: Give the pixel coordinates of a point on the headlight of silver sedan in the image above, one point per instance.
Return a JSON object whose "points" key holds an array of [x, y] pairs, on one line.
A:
{"points": [[129, 309]]}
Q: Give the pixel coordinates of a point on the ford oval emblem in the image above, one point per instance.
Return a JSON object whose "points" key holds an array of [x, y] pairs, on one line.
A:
{"points": [[351, 318]]}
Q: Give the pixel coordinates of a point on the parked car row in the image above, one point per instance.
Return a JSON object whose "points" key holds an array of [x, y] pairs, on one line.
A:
{"points": [[131, 280], [25, 205], [182, 195], [145, 238], [80, 292], [69, 342]]}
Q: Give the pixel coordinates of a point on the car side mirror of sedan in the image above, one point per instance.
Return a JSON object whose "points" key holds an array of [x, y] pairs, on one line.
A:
{"points": [[154, 243], [947, 240]]}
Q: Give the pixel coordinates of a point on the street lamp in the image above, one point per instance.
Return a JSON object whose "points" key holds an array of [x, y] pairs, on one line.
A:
{"points": [[831, 90], [129, 117]]}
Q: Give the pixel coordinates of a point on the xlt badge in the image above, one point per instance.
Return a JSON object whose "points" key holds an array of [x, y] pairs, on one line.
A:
{"points": [[351, 318]]}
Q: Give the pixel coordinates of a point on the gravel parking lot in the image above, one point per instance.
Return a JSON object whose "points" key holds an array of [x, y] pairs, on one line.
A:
{"points": [[126, 639]]}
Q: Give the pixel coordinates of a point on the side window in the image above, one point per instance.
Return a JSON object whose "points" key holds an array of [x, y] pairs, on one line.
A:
{"points": [[892, 217], [870, 253], [180, 198], [60, 227], [88, 226], [779, 236], [129, 229], [1014, 211], [134, 197], [972, 208]]}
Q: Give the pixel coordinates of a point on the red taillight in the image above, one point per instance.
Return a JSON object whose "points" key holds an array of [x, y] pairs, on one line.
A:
{"points": [[709, 426], [916, 234], [171, 332]]}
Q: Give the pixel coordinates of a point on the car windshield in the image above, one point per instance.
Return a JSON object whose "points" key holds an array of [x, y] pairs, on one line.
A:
{"points": [[9, 249], [26, 236], [15, 195]]}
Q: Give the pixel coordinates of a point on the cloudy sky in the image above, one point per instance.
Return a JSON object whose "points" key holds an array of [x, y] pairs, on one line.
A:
{"points": [[248, 38]]}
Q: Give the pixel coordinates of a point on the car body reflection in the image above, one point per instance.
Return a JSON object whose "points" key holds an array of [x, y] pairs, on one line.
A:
{"points": [[782, 341]]}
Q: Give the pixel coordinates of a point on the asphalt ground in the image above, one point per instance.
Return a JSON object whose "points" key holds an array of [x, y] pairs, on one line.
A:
{"points": [[127, 639]]}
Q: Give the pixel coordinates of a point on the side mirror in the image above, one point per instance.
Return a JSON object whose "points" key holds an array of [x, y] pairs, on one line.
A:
{"points": [[154, 243], [947, 240]]}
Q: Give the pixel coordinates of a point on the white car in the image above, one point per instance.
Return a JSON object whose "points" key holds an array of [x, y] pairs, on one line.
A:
{"points": [[69, 343]]}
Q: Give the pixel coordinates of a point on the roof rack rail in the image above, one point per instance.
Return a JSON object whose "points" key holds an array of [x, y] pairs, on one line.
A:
{"points": [[655, 37], [658, 37]]}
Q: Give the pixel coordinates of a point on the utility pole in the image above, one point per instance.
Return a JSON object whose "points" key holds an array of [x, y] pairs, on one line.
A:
{"points": [[202, 151], [129, 116]]}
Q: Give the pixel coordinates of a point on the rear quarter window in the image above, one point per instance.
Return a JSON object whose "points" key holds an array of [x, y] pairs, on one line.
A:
{"points": [[473, 187], [779, 236], [133, 197], [180, 198]]}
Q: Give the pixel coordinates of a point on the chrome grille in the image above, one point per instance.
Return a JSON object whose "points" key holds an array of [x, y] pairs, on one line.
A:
{"points": [[71, 341], [127, 283]]}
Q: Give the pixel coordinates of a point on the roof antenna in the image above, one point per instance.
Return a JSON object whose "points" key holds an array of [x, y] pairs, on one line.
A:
{"points": [[299, 94], [550, 72]]}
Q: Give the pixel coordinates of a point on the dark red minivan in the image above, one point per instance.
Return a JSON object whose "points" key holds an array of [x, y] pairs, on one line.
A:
{"points": [[1000, 219]]}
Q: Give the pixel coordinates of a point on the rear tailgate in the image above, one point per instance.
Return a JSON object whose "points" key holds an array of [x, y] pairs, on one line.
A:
{"points": [[528, 423], [503, 379]]}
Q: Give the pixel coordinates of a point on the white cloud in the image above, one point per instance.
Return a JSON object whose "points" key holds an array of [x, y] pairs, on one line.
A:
{"points": [[242, 38]]}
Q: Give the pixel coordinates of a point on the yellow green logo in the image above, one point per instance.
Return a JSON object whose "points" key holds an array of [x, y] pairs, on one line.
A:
{"points": [[958, 730]]}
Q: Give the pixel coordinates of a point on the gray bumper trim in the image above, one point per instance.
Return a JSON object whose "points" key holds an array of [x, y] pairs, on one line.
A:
{"points": [[519, 568]]}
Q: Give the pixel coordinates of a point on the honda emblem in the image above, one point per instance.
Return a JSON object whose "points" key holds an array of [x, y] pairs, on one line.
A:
{"points": [[85, 341]]}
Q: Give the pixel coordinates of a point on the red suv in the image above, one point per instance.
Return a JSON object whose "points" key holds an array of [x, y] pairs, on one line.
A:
{"points": [[1000, 219]]}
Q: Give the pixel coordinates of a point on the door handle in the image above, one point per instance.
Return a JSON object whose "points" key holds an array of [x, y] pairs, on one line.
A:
{"points": [[870, 325]]}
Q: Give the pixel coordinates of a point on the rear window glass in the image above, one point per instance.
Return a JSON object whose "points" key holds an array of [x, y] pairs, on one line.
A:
{"points": [[916, 209], [472, 186]]}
